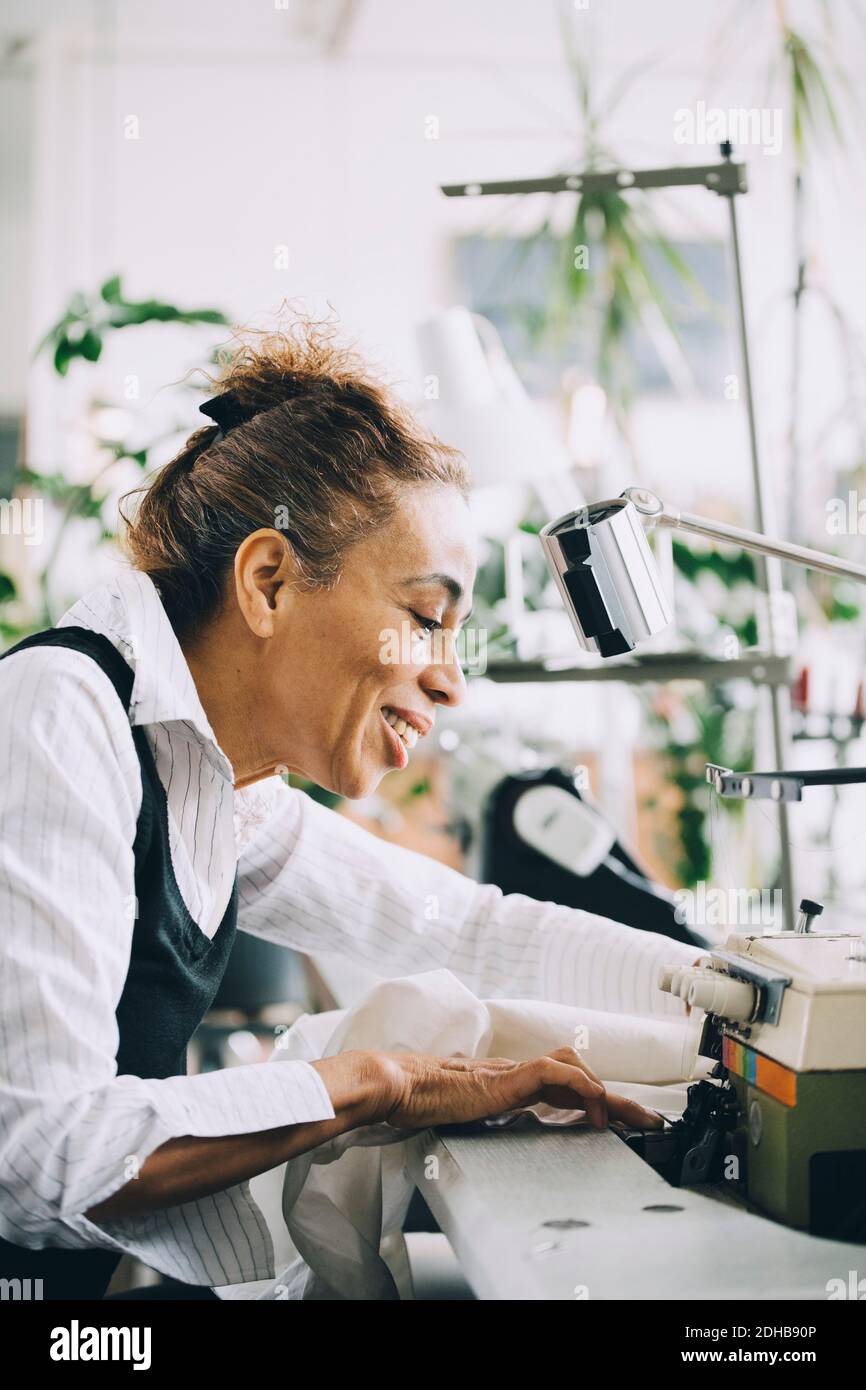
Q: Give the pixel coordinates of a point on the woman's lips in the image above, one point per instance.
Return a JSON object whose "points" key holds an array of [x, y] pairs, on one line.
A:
{"points": [[421, 723], [399, 753]]}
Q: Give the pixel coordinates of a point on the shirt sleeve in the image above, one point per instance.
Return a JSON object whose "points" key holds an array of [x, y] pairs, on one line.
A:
{"points": [[311, 878], [71, 1130]]}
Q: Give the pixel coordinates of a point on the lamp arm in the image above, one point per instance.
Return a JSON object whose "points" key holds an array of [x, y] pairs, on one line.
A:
{"points": [[781, 785], [655, 511]]}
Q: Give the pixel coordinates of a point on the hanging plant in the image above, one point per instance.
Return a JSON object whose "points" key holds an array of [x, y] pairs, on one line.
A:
{"points": [[607, 267], [81, 330], [81, 333]]}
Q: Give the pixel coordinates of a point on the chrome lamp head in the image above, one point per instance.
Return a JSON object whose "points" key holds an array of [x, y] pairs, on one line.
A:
{"points": [[607, 576]]}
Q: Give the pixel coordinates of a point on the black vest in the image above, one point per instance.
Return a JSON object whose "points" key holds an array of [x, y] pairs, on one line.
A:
{"points": [[174, 973]]}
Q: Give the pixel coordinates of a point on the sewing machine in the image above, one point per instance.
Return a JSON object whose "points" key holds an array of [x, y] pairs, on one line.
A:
{"points": [[785, 1116], [775, 1141]]}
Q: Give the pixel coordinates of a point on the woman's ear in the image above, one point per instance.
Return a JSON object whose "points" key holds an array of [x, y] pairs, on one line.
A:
{"points": [[264, 571]]}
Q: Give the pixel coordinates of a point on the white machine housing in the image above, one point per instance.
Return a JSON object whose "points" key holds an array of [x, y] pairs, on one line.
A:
{"points": [[804, 1001]]}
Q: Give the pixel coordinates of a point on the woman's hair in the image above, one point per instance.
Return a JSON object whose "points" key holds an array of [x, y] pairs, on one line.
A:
{"points": [[323, 457]]}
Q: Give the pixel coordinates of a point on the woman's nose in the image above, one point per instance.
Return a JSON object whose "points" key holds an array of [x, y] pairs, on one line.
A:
{"points": [[444, 682]]}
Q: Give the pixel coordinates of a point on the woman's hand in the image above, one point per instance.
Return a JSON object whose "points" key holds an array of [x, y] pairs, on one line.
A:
{"points": [[417, 1091], [406, 1089]]}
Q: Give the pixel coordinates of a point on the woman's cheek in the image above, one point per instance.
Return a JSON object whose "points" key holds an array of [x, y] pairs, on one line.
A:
{"points": [[420, 654]]}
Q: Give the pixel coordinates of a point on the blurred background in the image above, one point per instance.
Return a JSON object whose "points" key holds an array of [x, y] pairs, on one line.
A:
{"points": [[173, 170]]}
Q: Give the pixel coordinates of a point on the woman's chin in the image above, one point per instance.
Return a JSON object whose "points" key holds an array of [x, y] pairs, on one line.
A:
{"points": [[359, 782]]}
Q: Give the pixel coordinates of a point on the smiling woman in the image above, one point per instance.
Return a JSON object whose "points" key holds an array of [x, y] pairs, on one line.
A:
{"points": [[272, 562], [298, 677], [313, 503]]}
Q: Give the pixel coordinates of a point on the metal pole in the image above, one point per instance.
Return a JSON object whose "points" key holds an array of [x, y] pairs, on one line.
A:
{"points": [[727, 179], [761, 545], [769, 570], [793, 528]]}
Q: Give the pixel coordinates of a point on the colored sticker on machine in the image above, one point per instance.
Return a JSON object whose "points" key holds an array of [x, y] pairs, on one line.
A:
{"points": [[761, 1072]]}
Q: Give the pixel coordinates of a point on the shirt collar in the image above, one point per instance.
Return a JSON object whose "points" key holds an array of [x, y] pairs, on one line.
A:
{"points": [[129, 612]]}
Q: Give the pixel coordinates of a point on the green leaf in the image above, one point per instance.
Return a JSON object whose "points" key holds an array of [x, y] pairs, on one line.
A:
{"points": [[111, 291], [206, 316], [63, 355], [422, 787], [90, 345], [313, 790], [125, 313]]}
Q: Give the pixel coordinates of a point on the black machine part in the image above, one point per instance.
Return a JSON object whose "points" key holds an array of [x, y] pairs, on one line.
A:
{"points": [[620, 889], [693, 1149]]}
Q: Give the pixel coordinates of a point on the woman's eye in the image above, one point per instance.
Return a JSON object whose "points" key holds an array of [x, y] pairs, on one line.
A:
{"points": [[428, 624]]}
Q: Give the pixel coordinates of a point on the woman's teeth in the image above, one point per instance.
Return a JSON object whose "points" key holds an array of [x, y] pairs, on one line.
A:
{"points": [[408, 734]]}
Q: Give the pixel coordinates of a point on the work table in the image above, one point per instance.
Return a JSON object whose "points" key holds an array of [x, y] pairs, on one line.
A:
{"points": [[574, 1213]]}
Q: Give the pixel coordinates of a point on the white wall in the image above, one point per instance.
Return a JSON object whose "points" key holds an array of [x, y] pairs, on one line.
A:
{"points": [[250, 138], [15, 166]]}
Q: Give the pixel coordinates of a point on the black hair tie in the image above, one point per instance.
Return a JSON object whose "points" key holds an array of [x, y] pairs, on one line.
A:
{"points": [[226, 411]]}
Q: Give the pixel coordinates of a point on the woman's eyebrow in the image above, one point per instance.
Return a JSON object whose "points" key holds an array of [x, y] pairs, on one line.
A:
{"points": [[452, 587]]}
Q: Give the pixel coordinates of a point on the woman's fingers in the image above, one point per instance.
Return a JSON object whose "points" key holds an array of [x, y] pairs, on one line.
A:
{"points": [[561, 1079], [632, 1113], [446, 1090], [568, 1083], [559, 1097], [564, 1083], [569, 1054]]}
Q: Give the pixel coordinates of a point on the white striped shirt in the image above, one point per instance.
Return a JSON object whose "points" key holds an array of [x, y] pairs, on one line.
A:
{"points": [[72, 1131]]}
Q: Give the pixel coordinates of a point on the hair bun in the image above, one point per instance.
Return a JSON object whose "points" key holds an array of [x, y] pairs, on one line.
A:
{"points": [[226, 411], [331, 444]]}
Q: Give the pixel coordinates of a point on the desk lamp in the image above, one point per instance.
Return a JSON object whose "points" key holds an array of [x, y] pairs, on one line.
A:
{"points": [[611, 587]]}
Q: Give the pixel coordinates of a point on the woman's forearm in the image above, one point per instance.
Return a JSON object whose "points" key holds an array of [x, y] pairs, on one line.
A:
{"points": [[411, 1091], [189, 1167]]}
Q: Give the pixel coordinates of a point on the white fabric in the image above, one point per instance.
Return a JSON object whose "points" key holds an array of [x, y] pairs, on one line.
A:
{"points": [[71, 1131], [337, 1224]]}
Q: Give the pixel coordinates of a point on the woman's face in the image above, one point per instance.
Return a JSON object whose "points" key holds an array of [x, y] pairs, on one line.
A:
{"points": [[350, 678]]}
